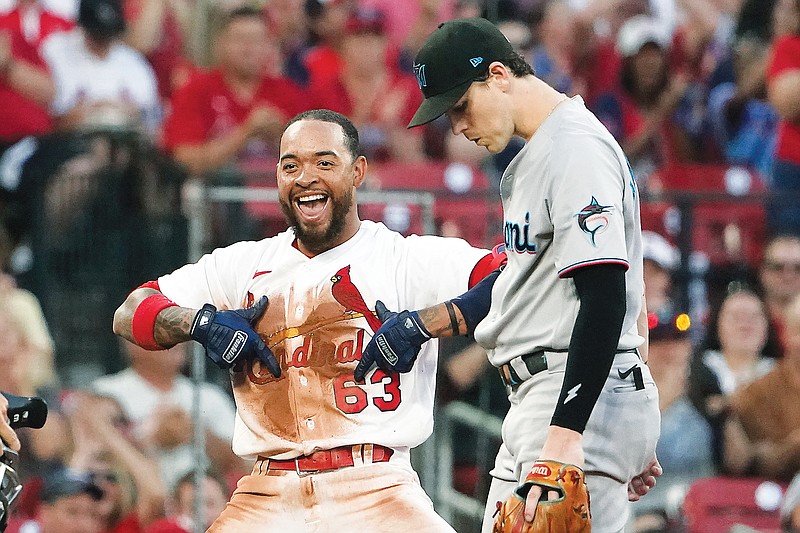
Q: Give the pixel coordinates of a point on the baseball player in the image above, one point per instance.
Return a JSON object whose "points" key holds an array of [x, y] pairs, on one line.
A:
{"points": [[561, 321], [288, 316]]}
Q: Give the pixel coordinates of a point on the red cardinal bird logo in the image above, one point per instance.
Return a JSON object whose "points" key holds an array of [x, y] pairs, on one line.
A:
{"points": [[350, 298]]}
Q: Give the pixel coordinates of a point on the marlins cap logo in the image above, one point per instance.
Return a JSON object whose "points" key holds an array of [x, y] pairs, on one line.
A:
{"points": [[475, 61], [419, 72], [591, 219]]}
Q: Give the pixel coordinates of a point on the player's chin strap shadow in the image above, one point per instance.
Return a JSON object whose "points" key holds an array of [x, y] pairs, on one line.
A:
{"points": [[10, 486]]}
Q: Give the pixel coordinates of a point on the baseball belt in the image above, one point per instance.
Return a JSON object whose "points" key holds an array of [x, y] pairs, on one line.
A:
{"points": [[327, 460], [526, 366]]}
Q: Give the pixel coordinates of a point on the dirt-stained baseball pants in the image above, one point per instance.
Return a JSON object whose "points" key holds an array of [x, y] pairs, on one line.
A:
{"points": [[619, 440], [378, 497]]}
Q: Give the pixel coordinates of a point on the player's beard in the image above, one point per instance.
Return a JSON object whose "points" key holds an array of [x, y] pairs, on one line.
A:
{"points": [[319, 238]]}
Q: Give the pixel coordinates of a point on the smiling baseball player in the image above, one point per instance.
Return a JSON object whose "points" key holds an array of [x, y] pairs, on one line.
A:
{"points": [[332, 454], [562, 320]]}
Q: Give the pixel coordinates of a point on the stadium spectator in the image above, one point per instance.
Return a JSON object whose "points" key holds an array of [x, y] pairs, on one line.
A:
{"points": [[27, 369], [157, 399], [737, 350], [744, 124], [553, 56], [26, 88], [684, 447], [69, 504], [327, 22], [180, 519], [161, 30], [652, 113], [783, 89], [763, 433], [233, 114], [661, 259], [99, 80], [133, 493], [287, 20], [378, 98], [779, 276]]}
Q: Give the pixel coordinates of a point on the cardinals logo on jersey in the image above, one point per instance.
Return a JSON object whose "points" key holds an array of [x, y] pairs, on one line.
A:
{"points": [[592, 219], [348, 295]]}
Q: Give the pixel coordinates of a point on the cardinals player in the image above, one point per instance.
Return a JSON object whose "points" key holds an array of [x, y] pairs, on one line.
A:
{"points": [[329, 452]]}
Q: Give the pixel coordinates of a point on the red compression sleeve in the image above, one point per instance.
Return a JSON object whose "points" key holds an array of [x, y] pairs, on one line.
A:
{"points": [[144, 320]]}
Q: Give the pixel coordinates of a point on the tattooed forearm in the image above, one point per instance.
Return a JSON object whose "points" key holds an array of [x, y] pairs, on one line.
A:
{"points": [[437, 321], [173, 325]]}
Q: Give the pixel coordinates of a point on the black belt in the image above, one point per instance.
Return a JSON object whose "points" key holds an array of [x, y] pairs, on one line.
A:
{"points": [[526, 366], [523, 367]]}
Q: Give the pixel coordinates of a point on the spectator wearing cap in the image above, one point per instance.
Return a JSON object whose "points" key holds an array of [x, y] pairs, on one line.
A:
{"points": [[233, 114], [69, 502], [763, 432], [26, 88], [684, 447], [661, 259], [739, 348], [378, 98], [653, 111], [99, 80]]}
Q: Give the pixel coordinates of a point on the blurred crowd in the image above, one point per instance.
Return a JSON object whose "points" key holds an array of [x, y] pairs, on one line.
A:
{"points": [[108, 106]]}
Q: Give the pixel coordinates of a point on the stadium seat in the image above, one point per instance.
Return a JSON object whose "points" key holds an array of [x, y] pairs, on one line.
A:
{"points": [[728, 216], [427, 176], [715, 504]]}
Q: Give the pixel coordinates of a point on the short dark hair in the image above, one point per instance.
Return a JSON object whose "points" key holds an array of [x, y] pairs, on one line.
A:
{"points": [[517, 64], [326, 115]]}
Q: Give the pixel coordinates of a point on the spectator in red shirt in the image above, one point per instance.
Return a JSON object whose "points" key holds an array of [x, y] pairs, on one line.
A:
{"points": [[783, 89], [327, 21], [26, 89], [379, 99], [235, 112], [160, 30]]}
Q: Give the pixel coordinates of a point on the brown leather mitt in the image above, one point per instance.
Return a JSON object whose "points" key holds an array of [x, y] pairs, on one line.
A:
{"points": [[569, 513]]}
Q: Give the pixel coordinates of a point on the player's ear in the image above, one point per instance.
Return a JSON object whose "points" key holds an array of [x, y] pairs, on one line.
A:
{"points": [[499, 73], [359, 170]]}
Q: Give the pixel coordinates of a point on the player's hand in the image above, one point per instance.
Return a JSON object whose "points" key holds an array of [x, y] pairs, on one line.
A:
{"points": [[564, 446], [229, 337], [395, 345], [646, 480], [7, 433]]}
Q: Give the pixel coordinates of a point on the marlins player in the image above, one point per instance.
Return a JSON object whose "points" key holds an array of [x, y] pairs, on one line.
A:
{"points": [[560, 321], [332, 454]]}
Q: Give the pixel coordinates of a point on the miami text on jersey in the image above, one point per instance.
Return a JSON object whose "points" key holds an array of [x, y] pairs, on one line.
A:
{"points": [[516, 238]]}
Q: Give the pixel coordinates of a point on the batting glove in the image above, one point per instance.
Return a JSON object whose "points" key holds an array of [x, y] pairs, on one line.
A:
{"points": [[228, 336], [395, 345]]}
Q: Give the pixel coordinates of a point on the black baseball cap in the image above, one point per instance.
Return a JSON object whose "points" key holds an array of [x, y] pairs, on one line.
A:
{"points": [[455, 55], [65, 482], [102, 18]]}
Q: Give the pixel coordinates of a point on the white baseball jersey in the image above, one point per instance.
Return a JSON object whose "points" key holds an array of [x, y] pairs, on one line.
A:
{"points": [[318, 321], [569, 200]]}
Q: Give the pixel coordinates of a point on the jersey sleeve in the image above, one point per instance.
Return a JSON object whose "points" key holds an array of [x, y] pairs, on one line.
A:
{"points": [[219, 278], [442, 266], [587, 203]]}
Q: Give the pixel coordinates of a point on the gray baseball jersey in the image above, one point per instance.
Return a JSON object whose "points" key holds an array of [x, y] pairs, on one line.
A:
{"points": [[569, 200]]}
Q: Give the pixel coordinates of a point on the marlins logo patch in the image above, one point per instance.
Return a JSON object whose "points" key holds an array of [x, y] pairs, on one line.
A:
{"points": [[593, 220]]}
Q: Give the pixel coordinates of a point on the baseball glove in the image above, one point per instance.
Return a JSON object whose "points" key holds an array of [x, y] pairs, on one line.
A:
{"points": [[569, 513]]}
